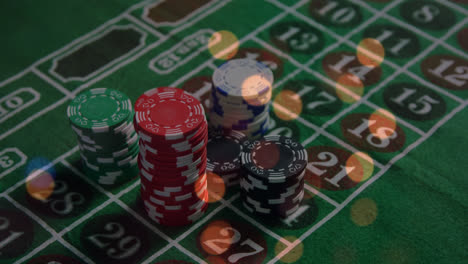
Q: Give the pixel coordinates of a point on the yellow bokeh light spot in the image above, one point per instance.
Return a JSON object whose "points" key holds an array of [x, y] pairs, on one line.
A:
{"points": [[256, 90], [216, 187], [385, 124], [223, 45], [363, 166], [399, 250], [217, 231], [344, 255], [349, 88], [364, 212], [370, 52], [294, 254], [287, 105], [40, 184]]}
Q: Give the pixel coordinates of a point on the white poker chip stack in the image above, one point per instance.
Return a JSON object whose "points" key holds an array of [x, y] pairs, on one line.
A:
{"points": [[241, 97]]}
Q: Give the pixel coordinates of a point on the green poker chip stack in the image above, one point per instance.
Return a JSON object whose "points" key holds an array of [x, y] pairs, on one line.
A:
{"points": [[103, 122]]}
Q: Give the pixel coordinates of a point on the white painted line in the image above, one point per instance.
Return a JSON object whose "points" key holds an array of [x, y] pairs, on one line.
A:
{"points": [[197, 224], [384, 169], [416, 77], [53, 83], [52, 163], [33, 117], [114, 61], [413, 28], [143, 221], [454, 6], [398, 119], [15, 77], [305, 122], [321, 195], [36, 97], [49, 229], [146, 10], [143, 25], [20, 154], [434, 87], [35, 251], [256, 224]]}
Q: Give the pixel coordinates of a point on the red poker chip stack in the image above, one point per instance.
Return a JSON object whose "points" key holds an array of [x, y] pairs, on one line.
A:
{"points": [[172, 160]]}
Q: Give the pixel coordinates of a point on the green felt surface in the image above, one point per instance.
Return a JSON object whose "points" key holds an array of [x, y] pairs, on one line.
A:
{"points": [[411, 208]]}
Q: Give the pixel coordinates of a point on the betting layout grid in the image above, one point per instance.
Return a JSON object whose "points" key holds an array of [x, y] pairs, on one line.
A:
{"points": [[446, 96]]}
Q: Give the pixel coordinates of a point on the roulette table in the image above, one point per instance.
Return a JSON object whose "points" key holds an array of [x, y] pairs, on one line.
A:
{"points": [[375, 90]]}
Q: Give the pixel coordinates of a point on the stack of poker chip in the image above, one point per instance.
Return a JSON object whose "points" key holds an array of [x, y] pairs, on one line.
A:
{"points": [[223, 159], [173, 138], [272, 183], [241, 97], [103, 122]]}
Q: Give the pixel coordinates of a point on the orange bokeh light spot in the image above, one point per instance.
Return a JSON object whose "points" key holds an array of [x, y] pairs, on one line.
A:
{"points": [[40, 184], [384, 119], [364, 212], [349, 88], [216, 187], [256, 90], [216, 230], [363, 166], [201, 188], [287, 105], [370, 52]]}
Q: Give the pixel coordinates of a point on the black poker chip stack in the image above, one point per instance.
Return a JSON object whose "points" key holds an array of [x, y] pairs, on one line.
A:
{"points": [[223, 155], [272, 182]]}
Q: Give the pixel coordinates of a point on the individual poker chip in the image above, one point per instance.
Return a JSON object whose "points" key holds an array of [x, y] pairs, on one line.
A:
{"points": [[274, 157], [273, 170], [259, 187], [235, 104], [175, 157], [173, 177], [99, 109], [243, 79], [168, 113], [260, 124], [102, 120], [224, 152], [172, 155], [272, 195], [178, 192], [223, 155], [189, 216], [241, 96], [111, 176]]}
